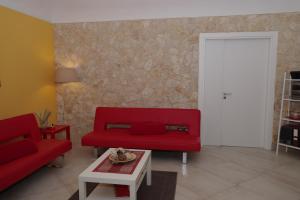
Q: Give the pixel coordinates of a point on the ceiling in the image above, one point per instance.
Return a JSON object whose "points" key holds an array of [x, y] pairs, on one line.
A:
{"points": [[63, 11]]}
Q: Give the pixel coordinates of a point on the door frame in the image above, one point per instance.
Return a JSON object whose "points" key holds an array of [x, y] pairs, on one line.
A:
{"points": [[271, 77]]}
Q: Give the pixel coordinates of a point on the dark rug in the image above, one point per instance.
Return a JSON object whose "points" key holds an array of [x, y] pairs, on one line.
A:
{"points": [[163, 187]]}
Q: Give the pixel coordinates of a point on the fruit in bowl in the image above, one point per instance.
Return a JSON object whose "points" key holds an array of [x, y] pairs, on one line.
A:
{"points": [[120, 155]]}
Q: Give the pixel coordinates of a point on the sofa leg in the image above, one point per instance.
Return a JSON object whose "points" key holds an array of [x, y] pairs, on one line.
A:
{"points": [[58, 162], [61, 160], [184, 169], [97, 151], [184, 157]]}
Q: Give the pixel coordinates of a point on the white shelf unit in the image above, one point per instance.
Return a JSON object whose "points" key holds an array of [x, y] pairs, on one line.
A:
{"points": [[285, 112], [295, 100], [290, 120]]}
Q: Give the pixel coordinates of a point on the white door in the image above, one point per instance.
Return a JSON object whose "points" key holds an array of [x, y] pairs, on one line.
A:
{"points": [[235, 79]]}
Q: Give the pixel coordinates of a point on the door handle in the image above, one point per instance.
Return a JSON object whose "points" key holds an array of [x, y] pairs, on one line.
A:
{"points": [[225, 94]]}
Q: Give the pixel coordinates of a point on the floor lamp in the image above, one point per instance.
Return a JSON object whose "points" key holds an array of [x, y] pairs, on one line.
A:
{"points": [[65, 75]]}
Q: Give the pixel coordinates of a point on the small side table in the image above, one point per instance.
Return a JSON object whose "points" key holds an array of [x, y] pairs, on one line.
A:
{"points": [[54, 130]]}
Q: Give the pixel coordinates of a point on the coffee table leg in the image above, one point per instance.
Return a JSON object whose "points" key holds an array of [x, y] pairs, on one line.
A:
{"points": [[132, 192], [82, 190], [149, 172]]}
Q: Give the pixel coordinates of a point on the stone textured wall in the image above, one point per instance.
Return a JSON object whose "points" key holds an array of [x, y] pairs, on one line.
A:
{"points": [[152, 63]]}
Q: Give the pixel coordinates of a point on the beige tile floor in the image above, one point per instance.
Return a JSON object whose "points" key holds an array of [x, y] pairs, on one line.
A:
{"points": [[217, 173]]}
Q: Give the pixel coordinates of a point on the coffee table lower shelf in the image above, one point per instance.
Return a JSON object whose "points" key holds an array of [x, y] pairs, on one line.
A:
{"points": [[105, 192]]}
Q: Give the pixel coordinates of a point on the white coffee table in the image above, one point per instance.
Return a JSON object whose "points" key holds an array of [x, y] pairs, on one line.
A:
{"points": [[133, 180]]}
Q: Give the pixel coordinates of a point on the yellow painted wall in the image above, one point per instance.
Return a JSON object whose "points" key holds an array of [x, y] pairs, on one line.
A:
{"points": [[26, 65]]}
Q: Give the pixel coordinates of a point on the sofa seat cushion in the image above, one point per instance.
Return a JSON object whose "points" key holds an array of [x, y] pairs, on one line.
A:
{"points": [[169, 141], [47, 150], [16, 149]]}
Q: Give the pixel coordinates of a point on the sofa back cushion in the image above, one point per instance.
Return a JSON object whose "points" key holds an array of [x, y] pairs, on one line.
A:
{"points": [[147, 128], [15, 150], [23, 125], [166, 116]]}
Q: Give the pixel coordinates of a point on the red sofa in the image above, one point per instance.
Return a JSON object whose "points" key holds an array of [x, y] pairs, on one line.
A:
{"points": [[172, 140], [25, 126]]}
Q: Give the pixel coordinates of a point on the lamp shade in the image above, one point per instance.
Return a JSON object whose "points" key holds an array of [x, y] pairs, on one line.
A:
{"points": [[66, 75]]}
